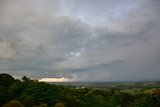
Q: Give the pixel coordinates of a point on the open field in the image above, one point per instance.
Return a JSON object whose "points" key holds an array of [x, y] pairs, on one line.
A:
{"points": [[117, 85]]}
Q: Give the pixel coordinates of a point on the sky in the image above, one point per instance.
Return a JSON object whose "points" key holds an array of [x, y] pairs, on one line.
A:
{"points": [[80, 40]]}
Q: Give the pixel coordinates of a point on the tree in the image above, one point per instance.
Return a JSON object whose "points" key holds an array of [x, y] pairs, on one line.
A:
{"points": [[25, 79], [121, 99], [6, 79]]}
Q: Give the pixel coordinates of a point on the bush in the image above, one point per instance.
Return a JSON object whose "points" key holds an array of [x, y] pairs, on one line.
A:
{"points": [[13, 103], [59, 105]]}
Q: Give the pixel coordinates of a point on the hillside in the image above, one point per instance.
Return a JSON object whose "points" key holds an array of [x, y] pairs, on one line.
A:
{"points": [[31, 93]]}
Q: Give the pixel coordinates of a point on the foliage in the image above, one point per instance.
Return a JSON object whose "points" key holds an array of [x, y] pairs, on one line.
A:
{"points": [[121, 98], [30, 93], [13, 103], [6, 79]]}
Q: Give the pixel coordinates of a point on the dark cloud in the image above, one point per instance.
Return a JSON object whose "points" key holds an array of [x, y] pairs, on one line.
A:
{"points": [[80, 39]]}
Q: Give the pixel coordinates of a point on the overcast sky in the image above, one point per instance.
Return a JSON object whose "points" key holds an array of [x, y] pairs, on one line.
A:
{"points": [[81, 40]]}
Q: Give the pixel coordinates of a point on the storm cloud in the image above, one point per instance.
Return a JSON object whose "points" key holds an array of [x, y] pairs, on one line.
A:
{"points": [[82, 40]]}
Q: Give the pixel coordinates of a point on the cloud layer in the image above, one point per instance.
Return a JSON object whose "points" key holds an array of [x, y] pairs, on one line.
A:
{"points": [[82, 40]]}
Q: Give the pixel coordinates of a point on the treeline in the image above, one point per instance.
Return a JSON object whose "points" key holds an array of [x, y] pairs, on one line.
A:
{"points": [[31, 93]]}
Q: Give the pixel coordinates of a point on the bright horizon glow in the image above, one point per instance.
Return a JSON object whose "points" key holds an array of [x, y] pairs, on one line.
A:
{"points": [[54, 80]]}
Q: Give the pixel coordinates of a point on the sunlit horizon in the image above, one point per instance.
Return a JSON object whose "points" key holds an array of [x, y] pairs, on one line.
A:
{"points": [[54, 80]]}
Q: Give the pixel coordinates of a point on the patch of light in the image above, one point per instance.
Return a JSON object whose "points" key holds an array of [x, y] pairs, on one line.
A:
{"points": [[54, 80], [75, 54]]}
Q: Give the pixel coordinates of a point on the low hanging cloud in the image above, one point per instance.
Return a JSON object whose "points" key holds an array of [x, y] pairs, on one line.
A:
{"points": [[80, 40]]}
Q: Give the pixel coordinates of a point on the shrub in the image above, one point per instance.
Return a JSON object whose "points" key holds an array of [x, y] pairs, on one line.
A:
{"points": [[13, 103]]}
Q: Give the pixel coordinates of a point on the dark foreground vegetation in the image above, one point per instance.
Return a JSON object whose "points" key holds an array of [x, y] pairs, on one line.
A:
{"points": [[31, 93]]}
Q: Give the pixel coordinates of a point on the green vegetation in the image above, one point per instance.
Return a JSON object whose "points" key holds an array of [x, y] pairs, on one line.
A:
{"points": [[31, 93]]}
